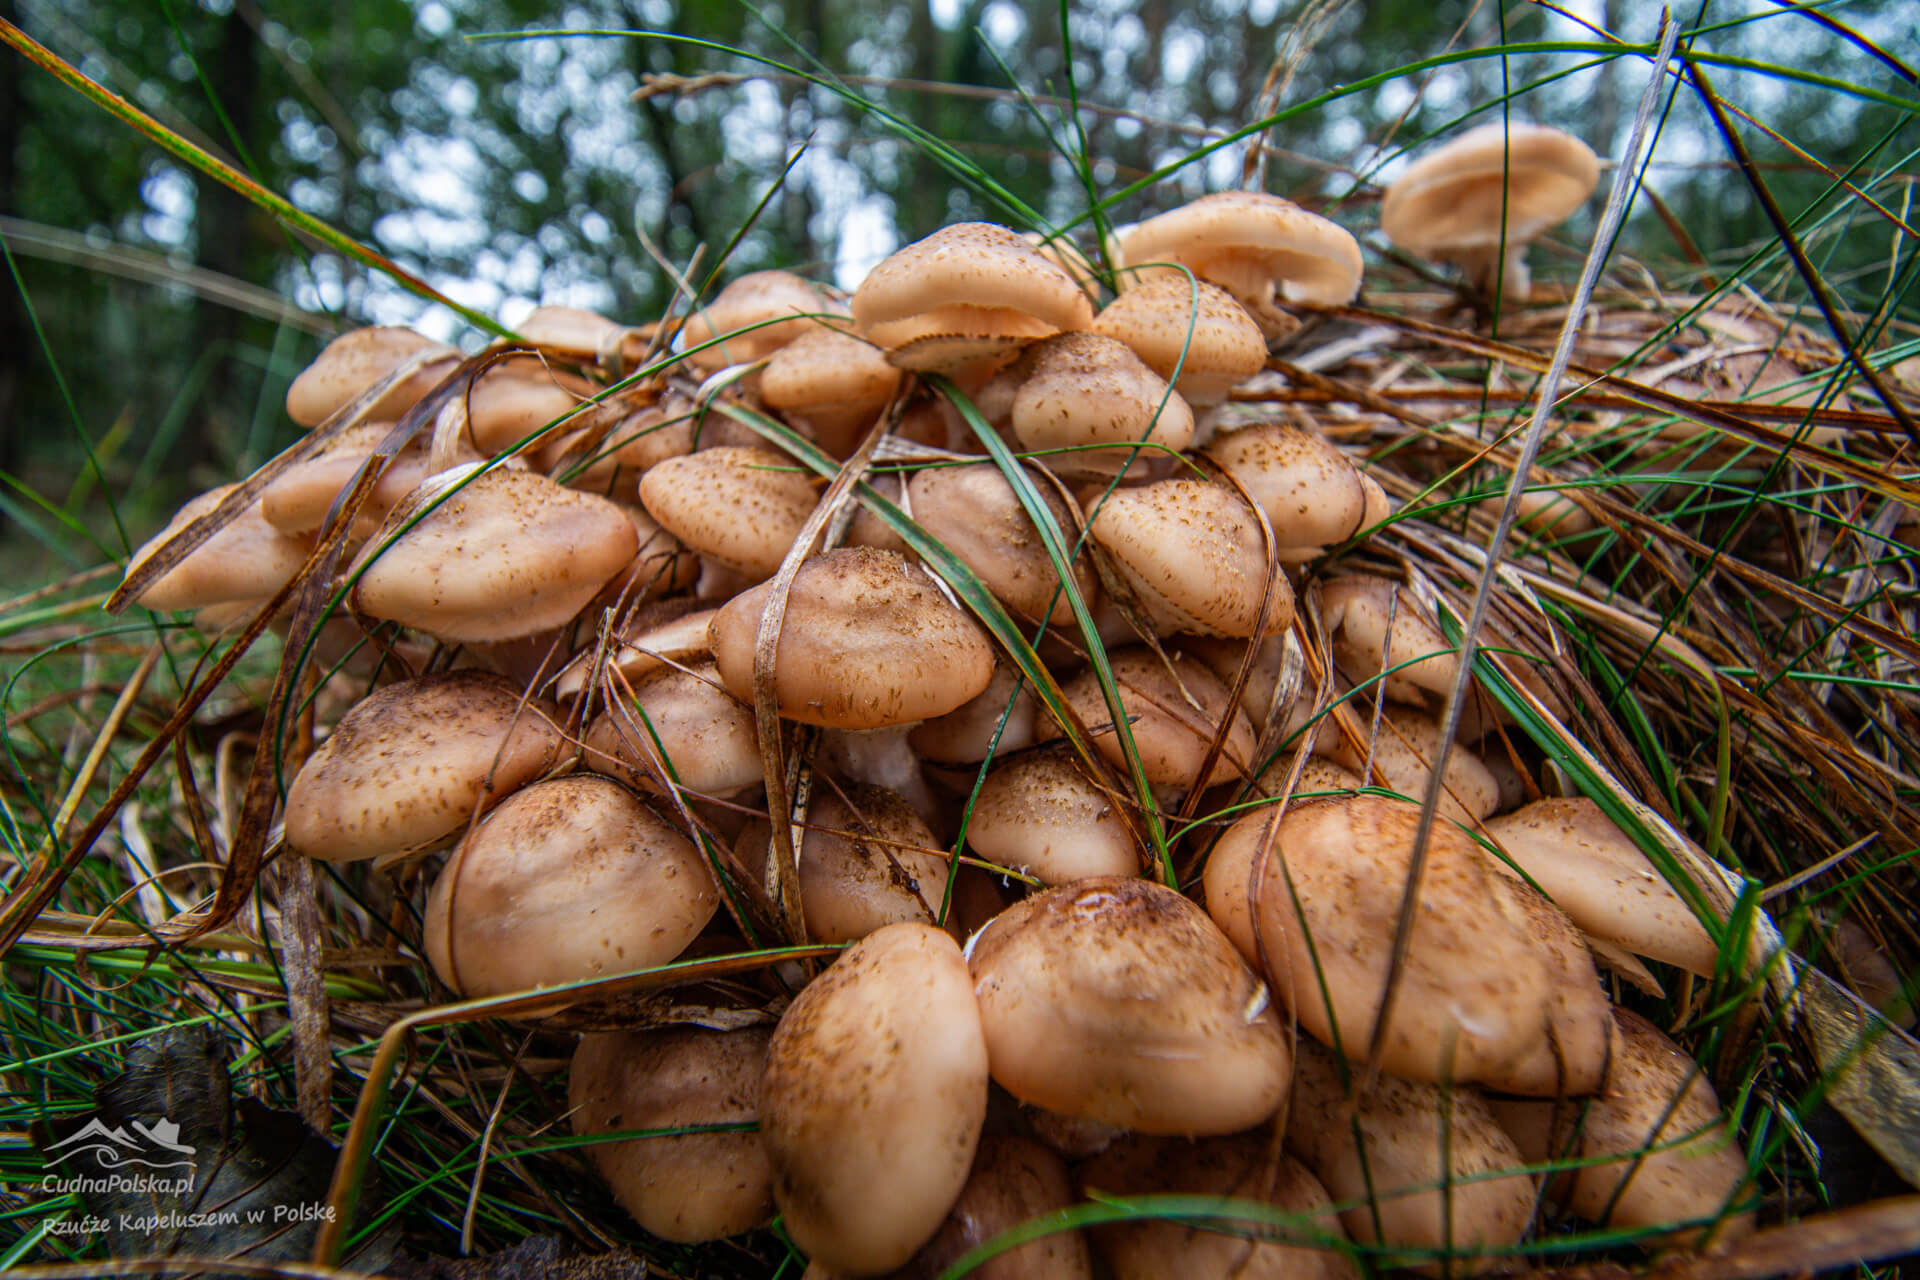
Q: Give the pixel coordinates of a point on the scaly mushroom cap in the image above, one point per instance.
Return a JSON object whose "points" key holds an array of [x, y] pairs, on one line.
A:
{"points": [[867, 642], [409, 764], [568, 879], [867, 861], [974, 511], [1094, 396], [1039, 814], [1403, 754], [690, 1187], [1313, 495], [832, 382], [247, 560], [1376, 628], [1596, 874], [683, 718], [741, 507], [1258, 247], [1419, 1164], [1170, 733], [780, 303], [355, 361], [1448, 204], [1242, 1167], [1189, 328], [661, 635], [1193, 553], [1497, 986], [876, 1085], [1118, 1000], [1013, 1181], [509, 555], [968, 291]]}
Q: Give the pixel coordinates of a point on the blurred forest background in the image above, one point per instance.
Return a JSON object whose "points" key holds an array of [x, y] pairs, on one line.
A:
{"points": [[155, 318]]}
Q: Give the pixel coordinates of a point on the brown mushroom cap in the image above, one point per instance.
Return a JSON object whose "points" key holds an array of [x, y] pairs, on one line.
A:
{"points": [[1003, 717], [1169, 732], [683, 720], [742, 507], [1039, 814], [755, 299], [246, 560], [355, 361], [1239, 1167], [1187, 328], [660, 635], [876, 1085], [867, 642], [515, 398], [296, 501], [1375, 628], [688, 1187], [1496, 986], [967, 291], [832, 382], [508, 555], [1258, 247], [1013, 1181], [409, 764], [1403, 753], [867, 861], [1194, 554], [1448, 204], [1118, 1000], [1092, 397], [1312, 494], [974, 511]]}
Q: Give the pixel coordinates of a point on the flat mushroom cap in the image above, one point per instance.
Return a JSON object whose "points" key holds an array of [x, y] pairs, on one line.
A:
{"points": [[739, 506], [509, 555], [1257, 247], [246, 560], [1191, 327], [968, 290], [355, 361], [1451, 199], [780, 303], [867, 642]]}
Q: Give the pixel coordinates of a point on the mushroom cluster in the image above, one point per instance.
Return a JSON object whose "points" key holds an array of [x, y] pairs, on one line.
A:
{"points": [[643, 684]]}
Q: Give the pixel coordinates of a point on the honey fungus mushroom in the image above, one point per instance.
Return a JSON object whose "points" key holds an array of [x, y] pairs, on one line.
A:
{"points": [[245, 560], [358, 359]]}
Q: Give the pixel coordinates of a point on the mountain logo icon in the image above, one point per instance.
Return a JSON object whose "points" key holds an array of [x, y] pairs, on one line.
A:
{"points": [[155, 1146]]}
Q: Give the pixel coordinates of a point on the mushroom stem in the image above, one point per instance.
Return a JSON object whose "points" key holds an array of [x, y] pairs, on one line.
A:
{"points": [[1484, 269], [884, 758]]}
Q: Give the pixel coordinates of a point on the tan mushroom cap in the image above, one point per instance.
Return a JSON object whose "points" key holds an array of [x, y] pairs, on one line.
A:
{"points": [[756, 315], [357, 360], [867, 861], [1188, 327], [1194, 555], [409, 764], [565, 880], [1001, 718], [509, 555], [1420, 1165], [1260, 248], [1596, 874], [684, 726], [1093, 396], [1013, 1181], [867, 641], [967, 291], [576, 329], [660, 635], [1242, 1167], [876, 1085], [1377, 627], [515, 398], [1040, 814], [1403, 753], [1496, 987], [1169, 732], [831, 382], [298, 499], [739, 506], [246, 560], [1117, 1000], [1448, 203], [689, 1187], [1312, 493], [974, 511]]}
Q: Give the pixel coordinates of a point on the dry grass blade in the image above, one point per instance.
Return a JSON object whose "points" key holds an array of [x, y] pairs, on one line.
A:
{"points": [[1871, 1069]]}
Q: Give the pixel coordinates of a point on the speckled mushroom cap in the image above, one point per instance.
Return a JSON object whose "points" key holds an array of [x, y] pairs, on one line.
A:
{"points": [[1013, 1181], [739, 506], [1194, 555], [1189, 328], [568, 879], [1093, 396], [1599, 877], [754, 316], [1403, 753], [660, 635], [297, 500], [967, 291], [867, 642], [681, 716], [1421, 1166], [689, 1187], [1376, 628], [247, 560], [833, 383], [1169, 731], [1260, 248], [1448, 203], [1118, 1000], [355, 361], [1313, 495], [1040, 814], [515, 398], [867, 861], [508, 555], [974, 511], [409, 764], [1497, 986]]}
